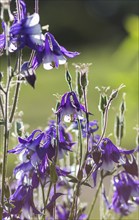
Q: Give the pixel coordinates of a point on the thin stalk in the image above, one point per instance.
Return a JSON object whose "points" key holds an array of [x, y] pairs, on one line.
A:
{"points": [[54, 209], [1, 106], [6, 121], [43, 198], [105, 122], [80, 143], [37, 6], [94, 202], [49, 189], [14, 102], [72, 214], [5, 149], [55, 160], [87, 118]]}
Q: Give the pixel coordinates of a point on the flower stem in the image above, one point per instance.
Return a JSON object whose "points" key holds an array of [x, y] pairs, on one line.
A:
{"points": [[49, 189], [14, 102], [87, 117], [105, 121], [1, 106], [5, 149], [96, 195]]}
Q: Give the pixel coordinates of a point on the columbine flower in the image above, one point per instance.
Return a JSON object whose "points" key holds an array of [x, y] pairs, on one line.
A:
{"points": [[30, 153], [107, 155], [64, 141], [2, 39], [22, 200], [63, 212], [126, 193], [28, 73], [70, 106], [26, 32], [93, 126], [53, 54]]}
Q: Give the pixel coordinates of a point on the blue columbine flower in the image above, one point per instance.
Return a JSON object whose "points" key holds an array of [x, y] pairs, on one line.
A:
{"points": [[107, 155], [2, 39], [93, 127], [64, 141], [26, 32], [126, 193], [70, 106], [28, 73], [30, 153], [53, 54], [22, 201]]}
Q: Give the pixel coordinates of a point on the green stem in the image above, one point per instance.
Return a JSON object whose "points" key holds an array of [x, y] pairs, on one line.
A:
{"points": [[87, 119], [54, 210], [105, 122], [72, 214], [2, 109], [14, 102], [80, 142], [5, 149], [49, 189], [43, 198], [96, 195]]}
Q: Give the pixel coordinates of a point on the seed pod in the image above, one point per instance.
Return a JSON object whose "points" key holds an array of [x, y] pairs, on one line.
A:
{"points": [[78, 83], [117, 126], [102, 103]]}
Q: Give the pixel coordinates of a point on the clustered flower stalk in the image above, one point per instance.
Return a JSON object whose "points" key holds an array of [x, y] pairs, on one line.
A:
{"points": [[69, 153]]}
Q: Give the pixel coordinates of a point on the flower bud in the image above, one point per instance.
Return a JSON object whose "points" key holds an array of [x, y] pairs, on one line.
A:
{"points": [[78, 83], [102, 102]]}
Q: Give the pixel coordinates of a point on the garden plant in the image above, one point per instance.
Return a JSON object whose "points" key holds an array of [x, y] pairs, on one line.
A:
{"points": [[57, 165]]}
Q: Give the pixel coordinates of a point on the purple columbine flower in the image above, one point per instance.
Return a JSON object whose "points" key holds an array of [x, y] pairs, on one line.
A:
{"points": [[22, 201], [2, 39], [64, 140], [28, 73], [107, 155], [70, 107], [63, 212], [126, 193], [30, 153], [26, 32], [93, 127], [53, 54]]}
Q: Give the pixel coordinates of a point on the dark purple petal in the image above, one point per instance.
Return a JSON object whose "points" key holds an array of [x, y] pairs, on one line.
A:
{"points": [[50, 206], [131, 166], [35, 180], [28, 73], [68, 53]]}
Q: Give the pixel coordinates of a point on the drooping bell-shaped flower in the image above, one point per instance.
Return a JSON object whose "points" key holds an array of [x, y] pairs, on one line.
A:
{"points": [[70, 106], [53, 54], [26, 31], [126, 193]]}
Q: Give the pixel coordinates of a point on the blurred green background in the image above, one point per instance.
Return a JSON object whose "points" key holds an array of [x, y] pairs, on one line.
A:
{"points": [[106, 35]]}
